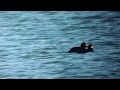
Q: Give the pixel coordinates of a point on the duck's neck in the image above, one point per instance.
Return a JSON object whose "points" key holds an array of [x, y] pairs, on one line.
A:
{"points": [[90, 50]]}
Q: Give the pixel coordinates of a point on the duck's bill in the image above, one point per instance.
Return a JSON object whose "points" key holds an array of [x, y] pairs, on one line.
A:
{"points": [[92, 47]]}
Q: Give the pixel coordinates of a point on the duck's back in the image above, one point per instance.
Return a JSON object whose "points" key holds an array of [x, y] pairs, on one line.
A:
{"points": [[74, 49], [77, 50]]}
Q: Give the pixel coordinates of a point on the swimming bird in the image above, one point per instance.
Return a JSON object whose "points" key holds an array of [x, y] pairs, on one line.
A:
{"points": [[80, 49], [90, 48]]}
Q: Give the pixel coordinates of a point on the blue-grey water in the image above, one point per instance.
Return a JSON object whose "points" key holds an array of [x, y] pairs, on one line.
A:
{"points": [[34, 44]]}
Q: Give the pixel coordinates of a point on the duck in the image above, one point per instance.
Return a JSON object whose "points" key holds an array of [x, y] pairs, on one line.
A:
{"points": [[90, 48], [81, 49]]}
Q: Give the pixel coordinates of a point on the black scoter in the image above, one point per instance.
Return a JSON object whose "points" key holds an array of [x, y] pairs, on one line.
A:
{"points": [[90, 48], [80, 49]]}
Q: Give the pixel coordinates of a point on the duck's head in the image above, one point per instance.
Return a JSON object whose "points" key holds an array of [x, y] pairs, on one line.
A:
{"points": [[83, 45], [90, 47]]}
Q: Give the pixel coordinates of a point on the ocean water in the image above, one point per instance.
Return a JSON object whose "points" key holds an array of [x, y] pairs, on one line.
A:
{"points": [[35, 44]]}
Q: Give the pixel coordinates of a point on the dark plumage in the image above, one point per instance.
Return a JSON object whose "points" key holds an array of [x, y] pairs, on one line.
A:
{"points": [[90, 48], [82, 48]]}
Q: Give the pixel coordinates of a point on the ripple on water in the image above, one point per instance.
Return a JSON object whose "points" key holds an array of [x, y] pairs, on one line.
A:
{"points": [[35, 44]]}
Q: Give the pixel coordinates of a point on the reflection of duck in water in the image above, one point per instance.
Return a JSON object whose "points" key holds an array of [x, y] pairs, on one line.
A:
{"points": [[82, 48]]}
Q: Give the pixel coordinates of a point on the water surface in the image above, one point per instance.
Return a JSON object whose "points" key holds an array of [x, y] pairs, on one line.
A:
{"points": [[34, 44]]}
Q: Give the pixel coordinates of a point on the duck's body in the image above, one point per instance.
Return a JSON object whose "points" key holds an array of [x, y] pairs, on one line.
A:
{"points": [[77, 50], [80, 49], [74, 49]]}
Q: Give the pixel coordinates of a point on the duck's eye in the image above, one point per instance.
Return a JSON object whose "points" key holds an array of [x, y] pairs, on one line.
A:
{"points": [[91, 46]]}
